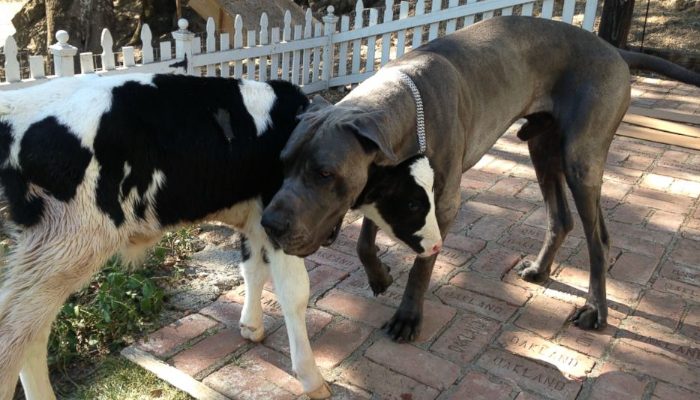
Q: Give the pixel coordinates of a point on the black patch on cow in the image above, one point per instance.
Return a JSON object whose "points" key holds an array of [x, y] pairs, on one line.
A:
{"points": [[245, 248], [52, 158], [172, 126], [265, 257], [6, 141], [402, 203]]}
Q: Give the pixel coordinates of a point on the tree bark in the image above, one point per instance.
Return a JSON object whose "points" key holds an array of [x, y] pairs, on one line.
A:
{"points": [[615, 21]]}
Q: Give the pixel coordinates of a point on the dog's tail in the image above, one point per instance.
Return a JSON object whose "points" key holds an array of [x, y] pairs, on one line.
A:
{"points": [[648, 62]]}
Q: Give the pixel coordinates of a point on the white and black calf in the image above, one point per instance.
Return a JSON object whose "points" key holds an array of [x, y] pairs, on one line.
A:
{"points": [[95, 166]]}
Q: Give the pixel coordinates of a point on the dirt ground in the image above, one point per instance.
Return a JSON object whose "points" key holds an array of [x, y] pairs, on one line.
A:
{"points": [[671, 24]]}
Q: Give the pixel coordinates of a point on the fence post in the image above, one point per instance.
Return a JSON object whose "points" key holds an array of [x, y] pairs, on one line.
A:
{"points": [[12, 71], [329, 21], [183, 44], [63, 54], [107, 51]]}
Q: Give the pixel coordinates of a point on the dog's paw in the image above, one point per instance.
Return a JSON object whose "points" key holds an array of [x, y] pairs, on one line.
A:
{"points": [[251, 333], [404, 326], [530, 272], [323, 392], [589, 317], [379, 283]]}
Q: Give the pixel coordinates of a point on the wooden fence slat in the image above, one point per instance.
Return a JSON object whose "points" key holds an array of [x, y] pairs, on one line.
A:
{"points": [[146, 46], [433, 30], [128, 56], [329, 23], [12, 72], [401, 35], [567, 14], [275, 57], [469, 19], [418, 30], [527, 9], [107, 53], [264, 39], [318, 32], [357, 44], [250, 62], [296, 56], [87, 64], [451, 25], [196, 45], [211, 44], [306, 57], [224, 44], [237, 44], [589, 15], [166, 51], [36, 67], [386, 38], [372, 40], [286, 37], [547, 9], [507, 11], [343, 49]]}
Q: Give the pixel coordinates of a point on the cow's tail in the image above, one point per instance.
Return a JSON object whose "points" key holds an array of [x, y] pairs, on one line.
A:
{"points": [[648, 62]]}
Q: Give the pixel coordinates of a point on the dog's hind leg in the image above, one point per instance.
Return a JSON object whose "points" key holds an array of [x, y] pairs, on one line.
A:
{"points": [[545, 150], [377, 272], [292, 289], [256, 271]]}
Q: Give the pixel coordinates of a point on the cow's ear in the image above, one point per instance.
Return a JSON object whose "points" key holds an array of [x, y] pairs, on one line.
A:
{"points": [[366, 126]]}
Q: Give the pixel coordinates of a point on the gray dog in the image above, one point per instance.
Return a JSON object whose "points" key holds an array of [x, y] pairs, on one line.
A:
{"points": [[571, 87]]}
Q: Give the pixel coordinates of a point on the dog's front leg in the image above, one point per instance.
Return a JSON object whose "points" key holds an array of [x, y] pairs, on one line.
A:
{"points": [[377, 272]]}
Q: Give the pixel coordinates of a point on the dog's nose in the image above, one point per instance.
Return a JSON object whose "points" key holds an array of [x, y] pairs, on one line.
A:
{"points": [[274, 225]]}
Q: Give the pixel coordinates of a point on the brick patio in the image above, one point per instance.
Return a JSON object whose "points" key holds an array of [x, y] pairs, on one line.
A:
{"points": [[487, 334]]}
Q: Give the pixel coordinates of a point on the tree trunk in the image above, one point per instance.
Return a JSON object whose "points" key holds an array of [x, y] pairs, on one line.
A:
{"points": [[615, 21]]}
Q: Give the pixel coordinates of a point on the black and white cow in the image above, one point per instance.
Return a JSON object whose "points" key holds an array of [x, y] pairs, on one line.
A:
{"points": [[95, 166]]}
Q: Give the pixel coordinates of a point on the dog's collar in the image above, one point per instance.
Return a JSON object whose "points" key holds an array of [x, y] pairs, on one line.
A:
{"points": [[420, 120]]}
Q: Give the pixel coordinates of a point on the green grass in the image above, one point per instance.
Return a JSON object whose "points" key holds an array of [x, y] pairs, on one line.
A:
{"points": [[116, 378]]}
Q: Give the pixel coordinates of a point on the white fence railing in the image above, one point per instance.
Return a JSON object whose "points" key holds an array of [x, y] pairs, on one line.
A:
{"points": [[316, 55]]}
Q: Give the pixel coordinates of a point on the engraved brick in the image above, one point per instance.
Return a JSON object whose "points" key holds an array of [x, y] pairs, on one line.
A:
{"points": [[678, 288], [495, 261], [339, 341], [632, 267], [682, 273], [471, 301], [245, 383], [356, 308], [465, 338], [618, 386], [687, 252], [477, 386], [544, 316], [385, 383], [335, 259], [476, 283]]}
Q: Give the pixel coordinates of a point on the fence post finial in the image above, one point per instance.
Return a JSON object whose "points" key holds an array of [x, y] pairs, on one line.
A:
{"points": [[183, 43], [63, 54], [329, 22]]}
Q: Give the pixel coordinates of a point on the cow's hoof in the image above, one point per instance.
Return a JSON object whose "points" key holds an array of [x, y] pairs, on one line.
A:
{"points": [[530, 272], [379, 284], [588, 317], [253, 334], [323, 392], [404, 326]]}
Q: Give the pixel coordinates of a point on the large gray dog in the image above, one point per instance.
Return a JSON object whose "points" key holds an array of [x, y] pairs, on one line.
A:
{"points": [[572, 88]]}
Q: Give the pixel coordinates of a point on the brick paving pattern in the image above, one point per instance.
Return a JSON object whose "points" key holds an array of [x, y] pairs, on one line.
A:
{"points": [[487, 334]]}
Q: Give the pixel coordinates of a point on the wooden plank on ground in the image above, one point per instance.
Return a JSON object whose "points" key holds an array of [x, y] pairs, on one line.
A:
{"points": [[675, 116], [639, 132], [661, 125]]}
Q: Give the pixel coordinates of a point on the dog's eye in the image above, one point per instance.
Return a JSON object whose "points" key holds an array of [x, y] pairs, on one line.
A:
{"points": [[412, 206], [324, 173]]}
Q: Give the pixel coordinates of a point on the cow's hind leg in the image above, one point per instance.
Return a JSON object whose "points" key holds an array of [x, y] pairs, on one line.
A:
{"points": [[35, 373], [256, 270], [544, 143]]}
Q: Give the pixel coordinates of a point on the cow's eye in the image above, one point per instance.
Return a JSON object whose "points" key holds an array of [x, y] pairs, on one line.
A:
{"points": [[412, 206]]}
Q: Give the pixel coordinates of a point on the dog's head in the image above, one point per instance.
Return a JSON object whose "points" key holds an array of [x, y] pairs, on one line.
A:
{"points": [[327, 165]]}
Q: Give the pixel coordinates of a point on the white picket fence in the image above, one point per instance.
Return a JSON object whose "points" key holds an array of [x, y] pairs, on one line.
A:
{"points": [[315, 55]]}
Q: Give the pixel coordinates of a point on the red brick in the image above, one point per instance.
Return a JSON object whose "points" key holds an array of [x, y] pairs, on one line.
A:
{"points": [[268, 299], [656, 182], [477, 386], [615, 191], [659, 200], [506, 201], [655, 338], [167, 340], [245, 383], [618, 386], [316, 320], [471, 301], [324, 277], [681, 273], [592, 343], [532, 347], [639, 232], [335, 259], [529, 375], [661, 307], [453, 257], [348, 245], [489, 227], [685, 188], [665, 391], [435, 316], [339, 341], [465, 338], [509, 186], [527, 396], [664, 221], [386, 384], [687, 252], [621, 174], [617, 291], [480, 209], [273, 367], [208, 352], [414, 363], [474, 282], [678, 288], [352, 231], [630, 213], [467, 244], [479, 180], [356, 308], [581, 260], [498, 166], [634, 268], [544, 316], [633, 358], [495, 261]]}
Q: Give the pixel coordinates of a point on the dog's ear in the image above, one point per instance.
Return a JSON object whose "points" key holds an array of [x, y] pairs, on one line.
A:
{"points": [[318, 103], [367, 127]]}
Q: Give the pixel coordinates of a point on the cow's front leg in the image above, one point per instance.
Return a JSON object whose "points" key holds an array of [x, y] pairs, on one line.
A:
{"points": [[377, 272], [256, 270]]}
